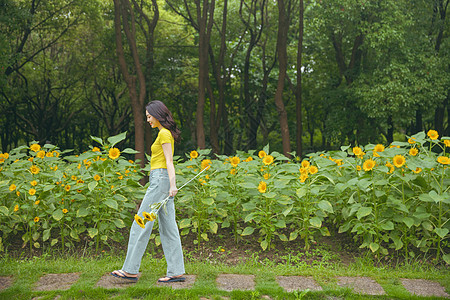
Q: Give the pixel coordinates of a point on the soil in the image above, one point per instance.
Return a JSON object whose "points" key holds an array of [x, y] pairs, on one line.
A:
{"points": [[51, 282], [5, 282]]}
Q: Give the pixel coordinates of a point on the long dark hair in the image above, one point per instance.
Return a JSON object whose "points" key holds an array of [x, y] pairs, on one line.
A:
{"points": [[161, 113]]}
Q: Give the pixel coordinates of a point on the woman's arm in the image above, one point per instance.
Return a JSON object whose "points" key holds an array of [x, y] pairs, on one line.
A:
{"points": [[167, 149]]}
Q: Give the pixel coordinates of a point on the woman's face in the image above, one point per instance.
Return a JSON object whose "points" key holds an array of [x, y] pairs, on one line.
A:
{"points": [[152, 121]]}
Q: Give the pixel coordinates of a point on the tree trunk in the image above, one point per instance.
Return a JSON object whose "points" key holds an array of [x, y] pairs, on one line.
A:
{"points": [[123, 13], [283, 26], [299, 84], [205, 14]]}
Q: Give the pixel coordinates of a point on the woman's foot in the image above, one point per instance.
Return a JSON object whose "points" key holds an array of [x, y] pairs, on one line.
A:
{"points": [[124, 275], [168, 279]]}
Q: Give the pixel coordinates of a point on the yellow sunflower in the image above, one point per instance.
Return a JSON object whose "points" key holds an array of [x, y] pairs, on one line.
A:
{"points": [[303, 177], [418, 170], [35, 147], [32, 191], [304, 170], [114, 153], [266, 176], [268, 159], [357, 151], [313, 170], [37, 202], [235, 161], [65, 211], [95, 149], [36, 219], [411, 140], [368, 165], [399, 160], [148, 216], [261, 154], [433, 134], [139, 221], [413, 151], [16, 208], [12, 187], [67, 188], [205, 163], [305, 163], [379, 148], [249, 159], [34, 169], [193, 154], [391, 167], [49, 154], [447, 143], [358, 168], [262, 187], [41, 154], [97, 177], [233, 171], [33, 183], [443, 160]]}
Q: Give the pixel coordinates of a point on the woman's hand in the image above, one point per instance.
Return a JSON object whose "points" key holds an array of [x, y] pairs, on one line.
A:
{"points": [[173, 191]]}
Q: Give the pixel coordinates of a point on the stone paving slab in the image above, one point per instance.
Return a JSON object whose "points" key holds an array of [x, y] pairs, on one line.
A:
{"points": [[110, 282], [422, 287], [362, 285], [229, 282], [5, 282], [298, 283], [50, 282], [190, 280]]}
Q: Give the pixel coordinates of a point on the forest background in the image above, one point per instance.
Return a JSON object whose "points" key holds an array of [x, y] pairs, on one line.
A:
{"points": [[300, 75]]}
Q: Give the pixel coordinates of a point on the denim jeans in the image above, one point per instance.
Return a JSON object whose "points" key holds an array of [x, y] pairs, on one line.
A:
{"points": [[168, 229]]}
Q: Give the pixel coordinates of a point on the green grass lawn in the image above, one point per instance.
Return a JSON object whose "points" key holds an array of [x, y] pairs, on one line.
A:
{"points": [[26, 272]]}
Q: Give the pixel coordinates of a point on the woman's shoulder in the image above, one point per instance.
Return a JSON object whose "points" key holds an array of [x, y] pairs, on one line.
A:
{"points": [[165, 133]]}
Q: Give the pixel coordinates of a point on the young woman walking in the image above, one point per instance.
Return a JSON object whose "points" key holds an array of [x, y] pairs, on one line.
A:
{"points": [[162, 184]]}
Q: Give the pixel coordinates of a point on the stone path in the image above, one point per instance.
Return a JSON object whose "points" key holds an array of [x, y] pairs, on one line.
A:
{"points": [[230, 282]]}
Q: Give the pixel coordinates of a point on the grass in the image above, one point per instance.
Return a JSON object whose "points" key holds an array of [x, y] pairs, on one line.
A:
{"points": [[27, 271]]}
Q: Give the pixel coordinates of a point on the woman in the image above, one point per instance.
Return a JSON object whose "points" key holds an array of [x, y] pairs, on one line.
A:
{"points": [[162, 184]]}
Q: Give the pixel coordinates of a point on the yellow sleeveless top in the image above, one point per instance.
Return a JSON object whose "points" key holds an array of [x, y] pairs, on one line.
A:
{"points": [[158, 160]]}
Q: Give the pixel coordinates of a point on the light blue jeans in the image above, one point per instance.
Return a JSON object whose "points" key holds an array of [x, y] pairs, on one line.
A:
{"points": [[168, 229]]}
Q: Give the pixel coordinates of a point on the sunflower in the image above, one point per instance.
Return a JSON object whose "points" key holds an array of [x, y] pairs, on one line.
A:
{"points": [[266, 176], [37, 202], [305, 163], [73, 177], [418, 170], [16, 208], [235, 161], [313, 170], [148, 216], [262, 153], [399, 160], [249, 159], [139, 221], [268, 159], [357, 151], [95, 149], [411, 140], [41, 154], [379, 148], [433, 134], [205, 163], [12, 187], [443, 160], [304, 170], [358, 168], [375, 154], [303, 177], [49, 154], [36, 219], [31, 159], [34, 169], [413, 151], [34, 183], [193, 154], [262, 187], [447, 143], [32, 191], [97, 177], [114, 153], [391, 167], [67, 188], [18, 193], [233, 171], [35, 147], [65, 211], [368, 165], [55, 168]]}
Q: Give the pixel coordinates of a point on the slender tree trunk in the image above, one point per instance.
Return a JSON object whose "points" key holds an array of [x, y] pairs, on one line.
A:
{"points": [[123, 13], [283, 26], [299, 84], [205, 14]]}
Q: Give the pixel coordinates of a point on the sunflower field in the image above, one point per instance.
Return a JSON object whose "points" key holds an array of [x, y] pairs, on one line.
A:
{"points": [[393, 200]]}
